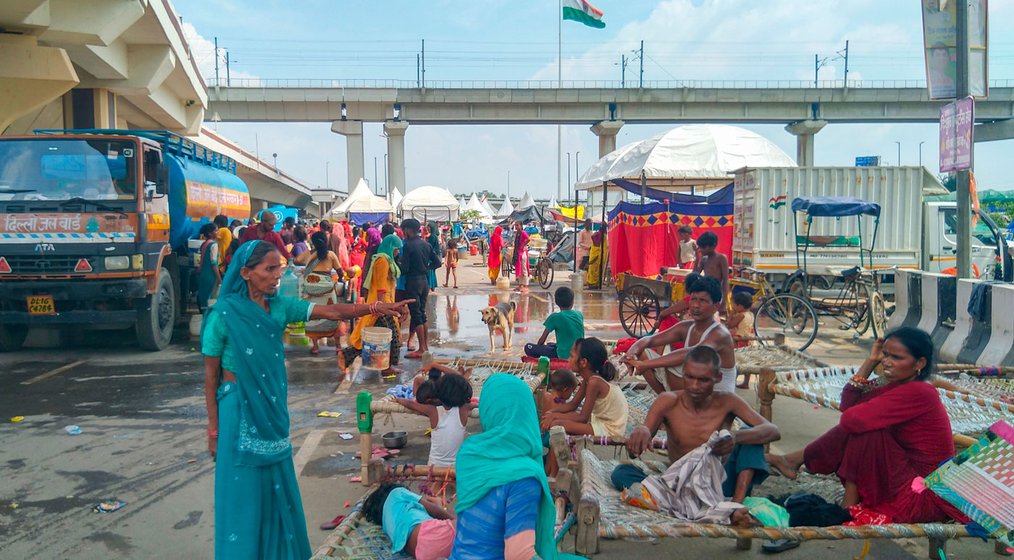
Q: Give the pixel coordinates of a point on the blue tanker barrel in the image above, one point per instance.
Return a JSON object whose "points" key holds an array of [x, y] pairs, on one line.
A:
{"points": [[198, 193]]}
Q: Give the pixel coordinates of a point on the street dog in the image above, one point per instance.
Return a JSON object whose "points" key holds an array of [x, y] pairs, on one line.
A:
{"points": [[500, 317]]}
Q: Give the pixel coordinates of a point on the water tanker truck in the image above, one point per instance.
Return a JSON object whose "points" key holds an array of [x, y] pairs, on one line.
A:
{"points": [[94, 227]]}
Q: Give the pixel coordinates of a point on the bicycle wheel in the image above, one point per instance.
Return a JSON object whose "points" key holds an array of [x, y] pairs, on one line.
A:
{"points": [[788, 315], [878, 314], [545, 271], [862, 311], [639, 309]]}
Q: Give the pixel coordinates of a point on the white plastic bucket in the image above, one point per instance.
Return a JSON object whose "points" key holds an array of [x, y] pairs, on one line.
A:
{"points": [[376, 348]]}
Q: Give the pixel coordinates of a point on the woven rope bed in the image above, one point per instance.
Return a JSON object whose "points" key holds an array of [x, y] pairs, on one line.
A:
{"points": [[601, 514], [750, 360], [970, 414]]}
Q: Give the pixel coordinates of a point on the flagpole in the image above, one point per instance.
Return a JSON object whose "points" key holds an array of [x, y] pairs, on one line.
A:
{"points": [[559, 84]]}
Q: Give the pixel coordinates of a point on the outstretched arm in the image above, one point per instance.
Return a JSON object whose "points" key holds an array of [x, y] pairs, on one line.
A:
{"points": [[342, 311]]}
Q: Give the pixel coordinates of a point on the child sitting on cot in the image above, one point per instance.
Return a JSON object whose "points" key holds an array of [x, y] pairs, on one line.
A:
{"points": [[740, 324], [603, 408], [562, 384], [416, 525], [567, 323], [447, 419]]}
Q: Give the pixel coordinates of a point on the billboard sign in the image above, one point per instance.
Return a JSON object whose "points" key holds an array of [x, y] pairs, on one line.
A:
{"points": [[867, 161], [957, 121], [940, 40]]}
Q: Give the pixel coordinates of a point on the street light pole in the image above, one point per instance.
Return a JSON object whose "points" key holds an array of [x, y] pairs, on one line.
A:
{"points": [[899, 152], [508, 184], [920, 152], [376, 182], [327, 174], [568, 176]]}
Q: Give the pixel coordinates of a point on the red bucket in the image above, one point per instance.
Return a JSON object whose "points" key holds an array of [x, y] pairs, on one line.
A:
{"points": [[473, 250]]}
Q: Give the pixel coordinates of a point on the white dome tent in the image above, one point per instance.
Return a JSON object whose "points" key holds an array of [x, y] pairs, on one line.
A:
{"points": [[430, 203], [699, 154], [363, 206], [526, 202]]}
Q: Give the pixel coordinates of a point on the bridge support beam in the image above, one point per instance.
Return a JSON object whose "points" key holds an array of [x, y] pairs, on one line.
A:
{"points": [[395, 132], [804, 131], [607, 131], [993, 131], [353, 133]]}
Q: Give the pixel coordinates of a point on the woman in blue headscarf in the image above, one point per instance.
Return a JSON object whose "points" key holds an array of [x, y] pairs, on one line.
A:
{"points": [[258, 511], [505, 509]]}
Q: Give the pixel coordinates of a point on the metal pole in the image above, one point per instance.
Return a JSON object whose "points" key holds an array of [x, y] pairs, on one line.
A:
{"points": [[816, 69], [376, 182], [327, 174], [559, 83], [423, 60], [228, 80], [640, 81], [920, 152], [963, 177], [623, 71], [846, 64], [418, 71], [216, 61], [508, 184], [898, 163]]}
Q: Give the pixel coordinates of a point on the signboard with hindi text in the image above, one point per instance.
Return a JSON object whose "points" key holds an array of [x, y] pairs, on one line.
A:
{"points": [[956, 125], [940, 40]]}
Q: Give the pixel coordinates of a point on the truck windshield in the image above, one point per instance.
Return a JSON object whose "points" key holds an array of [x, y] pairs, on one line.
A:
{"points": [[54, 168]]}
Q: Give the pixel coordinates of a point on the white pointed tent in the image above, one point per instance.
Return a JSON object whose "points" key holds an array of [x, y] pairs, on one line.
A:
{"points": [[394, 197], [430, 203], [476, 206], [506, 209], [553, 203], [526, 202], [363, 206], [488, 207]]}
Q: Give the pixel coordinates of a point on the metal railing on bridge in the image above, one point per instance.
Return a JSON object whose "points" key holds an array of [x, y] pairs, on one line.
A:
{"points": [[263, 83]]}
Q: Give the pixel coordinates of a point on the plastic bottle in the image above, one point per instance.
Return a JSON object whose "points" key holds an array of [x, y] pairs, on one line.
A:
{"points": [[544, 369], [290, 283]]}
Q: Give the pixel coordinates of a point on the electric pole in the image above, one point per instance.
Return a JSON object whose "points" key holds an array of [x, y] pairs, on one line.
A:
{"points": [[216, 61], [640, 81], [963, 177]]}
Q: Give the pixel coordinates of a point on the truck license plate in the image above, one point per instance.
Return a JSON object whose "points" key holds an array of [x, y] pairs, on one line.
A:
{"points": [[41, 305]]}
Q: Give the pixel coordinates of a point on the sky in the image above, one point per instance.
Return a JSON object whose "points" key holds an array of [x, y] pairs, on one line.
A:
{"points": [[517, 40]]}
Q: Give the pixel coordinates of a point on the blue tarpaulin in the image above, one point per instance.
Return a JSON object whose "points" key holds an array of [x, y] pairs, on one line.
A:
{"points": [[831, 206]]}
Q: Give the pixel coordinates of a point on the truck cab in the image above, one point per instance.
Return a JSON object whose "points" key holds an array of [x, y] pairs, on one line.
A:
{"points": [[988, 245], [86, 227]]}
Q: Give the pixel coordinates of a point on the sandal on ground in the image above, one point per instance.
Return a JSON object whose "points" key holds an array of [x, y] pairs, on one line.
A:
{"points": [[314, 351], [780, 545], [329, 525]]}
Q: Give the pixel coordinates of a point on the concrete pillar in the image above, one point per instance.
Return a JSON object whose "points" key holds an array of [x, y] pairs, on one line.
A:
{"points": [[607, 131], [395, 132], [353, 133], [804, 132]]}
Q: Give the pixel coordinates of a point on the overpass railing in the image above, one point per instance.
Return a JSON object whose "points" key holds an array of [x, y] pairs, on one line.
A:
{"points": [[263, 83]]}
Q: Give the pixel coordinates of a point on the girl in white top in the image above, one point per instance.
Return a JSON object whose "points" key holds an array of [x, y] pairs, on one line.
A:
{"points": [[448, 414]]}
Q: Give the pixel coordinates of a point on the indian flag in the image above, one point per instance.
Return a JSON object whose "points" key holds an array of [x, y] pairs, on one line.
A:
{"points": [[579, 10]]}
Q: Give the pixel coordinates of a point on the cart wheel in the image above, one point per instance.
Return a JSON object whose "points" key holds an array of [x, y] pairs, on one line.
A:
{"points": [[788, 315], [545, 272], [639, 309], [878, 314]]}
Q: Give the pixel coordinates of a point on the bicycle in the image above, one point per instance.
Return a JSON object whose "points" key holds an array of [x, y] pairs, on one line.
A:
{"points": [[777, 313]]}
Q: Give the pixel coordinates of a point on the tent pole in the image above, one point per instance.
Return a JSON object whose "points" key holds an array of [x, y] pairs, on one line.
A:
{"points": [[575, 230], [605, 231]]}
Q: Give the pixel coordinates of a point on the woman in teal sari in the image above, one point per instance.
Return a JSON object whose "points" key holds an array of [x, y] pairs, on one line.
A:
{"points": [[505, 509], [258, 510]]}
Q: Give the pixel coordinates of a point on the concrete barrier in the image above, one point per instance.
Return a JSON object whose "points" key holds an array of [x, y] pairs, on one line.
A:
{"points": [[938, 305], [999, 351], [907, 299], [962, 323]]}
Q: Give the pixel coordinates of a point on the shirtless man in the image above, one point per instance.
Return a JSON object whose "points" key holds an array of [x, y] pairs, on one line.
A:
{"points": [[692, 415], [701, 329], [714, 265]]}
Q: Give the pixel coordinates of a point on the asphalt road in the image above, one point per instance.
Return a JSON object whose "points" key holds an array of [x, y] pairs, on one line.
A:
{"points": [[142, 419]]}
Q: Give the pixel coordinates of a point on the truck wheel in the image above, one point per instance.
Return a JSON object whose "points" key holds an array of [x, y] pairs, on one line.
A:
{"points": [[157, 318], [12, 337]]}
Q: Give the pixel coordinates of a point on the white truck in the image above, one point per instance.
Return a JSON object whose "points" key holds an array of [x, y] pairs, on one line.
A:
{"points": [[915, 231]]}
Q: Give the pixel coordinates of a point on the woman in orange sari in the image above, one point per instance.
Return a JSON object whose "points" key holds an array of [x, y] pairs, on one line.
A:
{"points": [[495, 253]]}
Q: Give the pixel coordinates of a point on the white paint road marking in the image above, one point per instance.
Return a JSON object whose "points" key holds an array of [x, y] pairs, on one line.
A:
{"points": [[56, 371], [306, 450]]}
